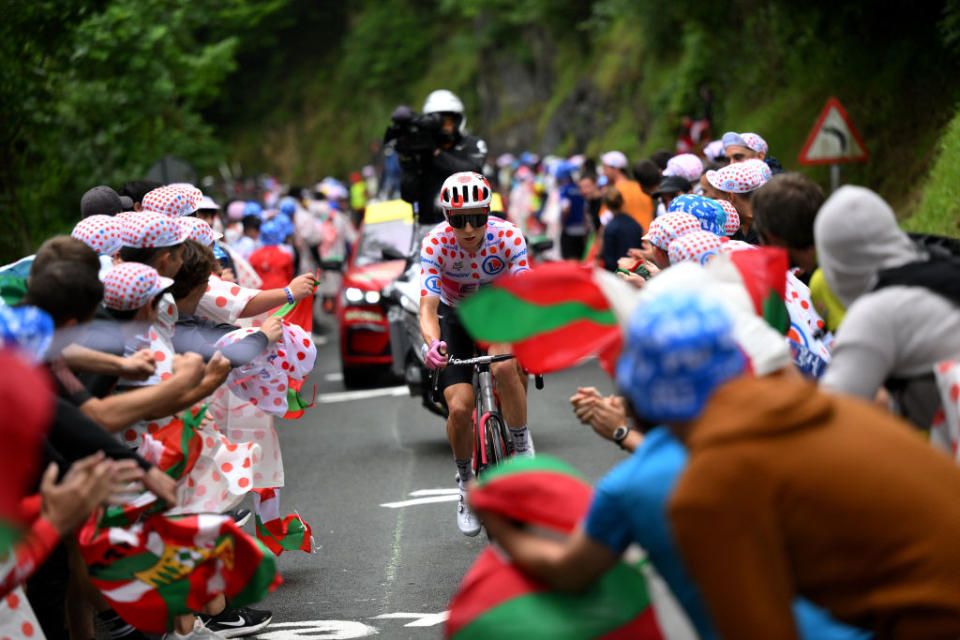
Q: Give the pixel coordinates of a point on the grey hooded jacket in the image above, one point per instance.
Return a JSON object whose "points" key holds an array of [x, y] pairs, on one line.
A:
{"points": [[896, 332]]}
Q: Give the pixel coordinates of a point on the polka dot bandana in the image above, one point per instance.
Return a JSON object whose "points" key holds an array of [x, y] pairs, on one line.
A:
{"points": [[755, 142], [740, 177], [29, 330], [199, 230], [173, 200], [733, 218], [100, 233], [131, 285], [711, 215], [697, 246], [679, 348], [147, 230], [685, 165], [669, 227]]}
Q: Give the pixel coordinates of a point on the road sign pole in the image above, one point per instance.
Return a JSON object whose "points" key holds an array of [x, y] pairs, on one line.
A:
{"points": [[834, 177]]}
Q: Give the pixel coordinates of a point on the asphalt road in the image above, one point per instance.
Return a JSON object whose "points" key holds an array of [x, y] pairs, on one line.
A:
{"points": [[391, 570]]}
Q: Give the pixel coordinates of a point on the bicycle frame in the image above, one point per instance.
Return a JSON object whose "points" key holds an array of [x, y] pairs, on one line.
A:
{"points": [[486, 405]]}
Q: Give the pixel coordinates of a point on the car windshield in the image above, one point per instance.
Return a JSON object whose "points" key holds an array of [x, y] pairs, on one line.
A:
{"points": [[374, 238]]}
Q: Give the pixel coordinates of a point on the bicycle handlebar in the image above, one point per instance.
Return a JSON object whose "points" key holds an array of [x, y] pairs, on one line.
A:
{"points": [[479, 360]]}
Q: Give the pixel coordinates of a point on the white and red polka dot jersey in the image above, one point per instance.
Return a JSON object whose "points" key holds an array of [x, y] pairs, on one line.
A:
{"points": [[451, 273]]}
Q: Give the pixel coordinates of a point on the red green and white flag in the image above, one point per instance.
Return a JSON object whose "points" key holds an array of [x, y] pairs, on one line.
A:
{"points": [[299, 313], [289, 533], [163, 567], [763, 273], [556, 315], [497, 600]]}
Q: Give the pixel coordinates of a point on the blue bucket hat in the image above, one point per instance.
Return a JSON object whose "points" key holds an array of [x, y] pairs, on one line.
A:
{"points": [[27, 329], [711, 215], [679, 348], [253, 209], [272, 233]]}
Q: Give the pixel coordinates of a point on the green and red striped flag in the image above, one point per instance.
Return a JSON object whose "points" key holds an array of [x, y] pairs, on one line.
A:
{"points": [[299, 313], [763, 272], [163, 567], [497, 600], [290, 533], [556, 315]]}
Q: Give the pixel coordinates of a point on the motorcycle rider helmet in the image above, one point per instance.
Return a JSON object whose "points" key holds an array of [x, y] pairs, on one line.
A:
{"points": [[465, 190], [444, 101]]}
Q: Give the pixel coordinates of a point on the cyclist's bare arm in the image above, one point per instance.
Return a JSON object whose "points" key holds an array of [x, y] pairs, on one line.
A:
{"points": [[429, 321]]}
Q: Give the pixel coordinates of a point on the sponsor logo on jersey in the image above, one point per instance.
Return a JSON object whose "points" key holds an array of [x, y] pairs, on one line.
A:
{"points": [[432, 284], [492, 265], [458, 265]]}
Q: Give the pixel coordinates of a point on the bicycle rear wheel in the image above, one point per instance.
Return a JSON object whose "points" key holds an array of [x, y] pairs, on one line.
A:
{"points": [[496, 447]]}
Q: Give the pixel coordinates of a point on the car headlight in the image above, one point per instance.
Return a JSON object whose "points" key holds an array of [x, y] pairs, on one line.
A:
{"points": [[353, 295], [371, 297]]}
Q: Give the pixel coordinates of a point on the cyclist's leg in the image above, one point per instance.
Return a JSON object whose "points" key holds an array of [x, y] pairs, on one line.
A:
{"points": [[456, 383], [459, 397], [511, 385]]}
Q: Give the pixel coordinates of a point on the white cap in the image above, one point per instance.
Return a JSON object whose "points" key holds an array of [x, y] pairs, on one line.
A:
{"points": [[614, 159], [208, 203]]}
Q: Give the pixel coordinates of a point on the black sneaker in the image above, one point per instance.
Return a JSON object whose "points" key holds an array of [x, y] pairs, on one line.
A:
{"points": [[240, 516], [242, 621]]}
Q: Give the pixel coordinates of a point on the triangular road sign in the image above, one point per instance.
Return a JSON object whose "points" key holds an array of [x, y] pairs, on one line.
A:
{"points": [[834, 138]]}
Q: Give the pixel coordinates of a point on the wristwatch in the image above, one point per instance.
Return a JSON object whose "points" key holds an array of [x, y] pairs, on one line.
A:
{"points": [[620, 434]]}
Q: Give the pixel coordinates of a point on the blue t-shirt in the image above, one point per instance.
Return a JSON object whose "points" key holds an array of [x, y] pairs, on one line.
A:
{"points": [[630, 505], [570, 195]]}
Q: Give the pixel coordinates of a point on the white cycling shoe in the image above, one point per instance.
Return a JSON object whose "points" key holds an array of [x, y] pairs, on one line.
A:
{"points": [[467, 520]]}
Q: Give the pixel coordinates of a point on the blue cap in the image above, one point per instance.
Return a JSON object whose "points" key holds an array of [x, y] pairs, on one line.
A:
{"points": [[27, 329], [709, 212], [288, 205], [253, 209], [731, 138], [679, 348], [272, 233]]}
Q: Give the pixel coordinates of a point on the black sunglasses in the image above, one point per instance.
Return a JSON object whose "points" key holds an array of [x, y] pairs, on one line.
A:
{"points": [[460, 220]]}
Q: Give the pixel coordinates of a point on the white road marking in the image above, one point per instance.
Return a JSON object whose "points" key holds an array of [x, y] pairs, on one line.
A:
{"points": [[434, 492], [419, 619], [317, 630], [362, 394], [416, 501], [336, 376], [319, 340]]}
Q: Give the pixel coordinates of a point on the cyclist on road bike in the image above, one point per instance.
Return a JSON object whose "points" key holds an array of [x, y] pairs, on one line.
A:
{"points": [[469, 250]]}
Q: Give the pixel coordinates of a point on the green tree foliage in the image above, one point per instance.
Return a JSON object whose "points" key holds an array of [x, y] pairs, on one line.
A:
{"points": [[96, 93]]}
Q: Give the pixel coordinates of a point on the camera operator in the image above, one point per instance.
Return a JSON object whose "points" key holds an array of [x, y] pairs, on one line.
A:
{"points": [[431, 147]]}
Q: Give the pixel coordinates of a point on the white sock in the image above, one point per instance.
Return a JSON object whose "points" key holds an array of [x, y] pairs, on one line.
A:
{"points": [[521, 438], [466, 473]]}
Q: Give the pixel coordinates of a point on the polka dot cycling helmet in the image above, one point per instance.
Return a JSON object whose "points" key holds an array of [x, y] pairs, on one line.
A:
{"points": [[465, 190]]}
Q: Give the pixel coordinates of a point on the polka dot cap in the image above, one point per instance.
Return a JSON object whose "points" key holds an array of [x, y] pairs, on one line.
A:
{"points": [[733, 218], [147, 230], [755, 142], [685, 165], [669, 227], [199, 230], [100, 233], [131, 285], [697, 246], [174, 200], [740, 177], [732, 246], [711, 215]]}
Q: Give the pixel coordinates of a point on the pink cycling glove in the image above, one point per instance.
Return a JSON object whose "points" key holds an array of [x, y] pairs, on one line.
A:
{"points": [[434, 359]]}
